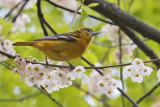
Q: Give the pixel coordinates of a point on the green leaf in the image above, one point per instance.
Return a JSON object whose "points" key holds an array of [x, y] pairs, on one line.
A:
{"points": [[6, 26], [93, 4], [84, 14], [79, 2]]}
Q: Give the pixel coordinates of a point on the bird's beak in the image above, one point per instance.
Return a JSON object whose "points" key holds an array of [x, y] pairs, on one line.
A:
{"points": [[95, 33]]}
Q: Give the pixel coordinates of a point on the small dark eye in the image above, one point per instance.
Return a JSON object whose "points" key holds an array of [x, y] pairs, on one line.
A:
{"points": [[88, 30]]}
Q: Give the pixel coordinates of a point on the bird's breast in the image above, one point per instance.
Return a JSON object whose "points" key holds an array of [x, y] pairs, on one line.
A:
{"points": [[56, 49]]}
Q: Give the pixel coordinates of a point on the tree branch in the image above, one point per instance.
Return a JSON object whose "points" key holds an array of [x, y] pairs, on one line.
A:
{"points": [[42, 20], [124, 94], [89, 63], [93, 67], [113, 46], [120, 62], [113, 12], [121, 18], [12, 9], [48, 95], [148, 93], [73, 11], [14, 19], [144, 47], [20, 99]]}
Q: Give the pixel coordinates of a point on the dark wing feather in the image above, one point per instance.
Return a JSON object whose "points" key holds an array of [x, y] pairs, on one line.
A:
{"points": [[66, 37]]}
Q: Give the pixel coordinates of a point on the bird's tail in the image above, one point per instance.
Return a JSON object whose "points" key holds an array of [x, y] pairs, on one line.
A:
{"points": [[24, 43]]}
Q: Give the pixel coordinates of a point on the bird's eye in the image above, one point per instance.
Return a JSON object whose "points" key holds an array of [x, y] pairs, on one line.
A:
{"points": [[88, 30]]}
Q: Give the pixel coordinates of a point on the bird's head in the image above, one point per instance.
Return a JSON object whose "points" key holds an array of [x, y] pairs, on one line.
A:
{"points": [[85, 33]]}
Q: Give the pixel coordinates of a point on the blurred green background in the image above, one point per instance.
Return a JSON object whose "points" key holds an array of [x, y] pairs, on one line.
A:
{"points": [[12, 88]]}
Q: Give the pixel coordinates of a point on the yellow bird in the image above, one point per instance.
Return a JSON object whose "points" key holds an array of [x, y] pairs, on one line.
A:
{"points": [[61, 47]]}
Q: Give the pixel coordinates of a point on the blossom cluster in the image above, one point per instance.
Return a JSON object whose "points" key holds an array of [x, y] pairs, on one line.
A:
{"points": [[107, 85], [137, 70], [23, 18], [112, 32], [71, 4], [7, 47], [11, 3], [21, 21], [51, 79]]}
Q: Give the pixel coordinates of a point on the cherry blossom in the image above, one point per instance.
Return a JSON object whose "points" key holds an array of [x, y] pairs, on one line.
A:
{"points": [[78, 71], [137, 70], [84, 79], [21, 21], [7, 47], [50, 78]]}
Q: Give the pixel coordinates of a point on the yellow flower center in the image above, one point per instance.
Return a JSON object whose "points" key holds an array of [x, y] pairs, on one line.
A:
{"points": [[34, 60], [78, 70], [137, 75], [41, 74], [129, 70], [101, 84], [138, 62], [145, 70], [36, 69], [32, 78], [48, 76], [60, 74], [29, 68], [7, 43], [109, 92], [69, 78]]}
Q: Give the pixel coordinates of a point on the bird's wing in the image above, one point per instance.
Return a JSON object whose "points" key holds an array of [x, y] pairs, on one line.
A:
{"points": [[65, 36]]}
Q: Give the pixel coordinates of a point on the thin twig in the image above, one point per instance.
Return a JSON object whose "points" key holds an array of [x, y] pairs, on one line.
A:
{"points": [[14, 19], [42, 20], [45, 22], [39, 13], [125, 95], [70, 26], [120, 61], [5, 65], [93, 67], [12, 9], [130, 4], [48, 95], [73, 11], [113, 46], [148, 93], [118, 2], [20, 99]]}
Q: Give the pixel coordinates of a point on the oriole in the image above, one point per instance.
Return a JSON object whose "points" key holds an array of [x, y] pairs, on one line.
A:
{"points": [[64, 46]]}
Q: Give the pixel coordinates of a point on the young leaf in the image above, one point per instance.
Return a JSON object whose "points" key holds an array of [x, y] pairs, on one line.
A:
{"points": [[6, 26], [84, 14], [93, 4]]}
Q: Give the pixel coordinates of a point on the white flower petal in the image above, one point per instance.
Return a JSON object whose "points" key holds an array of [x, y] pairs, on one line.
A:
{"points": [[84, 79]]}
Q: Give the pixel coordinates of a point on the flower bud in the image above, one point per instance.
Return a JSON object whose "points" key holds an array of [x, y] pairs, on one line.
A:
{"points": [[15, 70], [17, 61]]}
